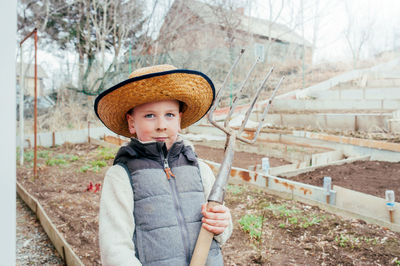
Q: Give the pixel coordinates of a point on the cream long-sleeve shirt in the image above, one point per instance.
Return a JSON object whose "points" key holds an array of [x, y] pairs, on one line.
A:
{"points": [[116, 220]]}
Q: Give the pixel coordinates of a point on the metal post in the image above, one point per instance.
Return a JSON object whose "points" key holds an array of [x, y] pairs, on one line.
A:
{"points": [[390, 200], [35, 112], [21, 110], [265, 165], [88, 131], [35, 108], [327, 188]]}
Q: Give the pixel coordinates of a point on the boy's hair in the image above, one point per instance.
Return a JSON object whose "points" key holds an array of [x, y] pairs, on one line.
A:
{"points": [[156, 83]]}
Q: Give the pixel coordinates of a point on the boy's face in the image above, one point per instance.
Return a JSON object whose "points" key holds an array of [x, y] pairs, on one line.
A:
{"points": [[156, 121]]}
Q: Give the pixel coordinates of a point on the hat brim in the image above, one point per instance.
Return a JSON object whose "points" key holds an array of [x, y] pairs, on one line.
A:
{"points": [[191, 87]]}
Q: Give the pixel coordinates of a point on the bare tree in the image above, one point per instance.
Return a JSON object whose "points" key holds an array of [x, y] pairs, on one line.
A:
{"points": [[92, 27], [357, 35]]}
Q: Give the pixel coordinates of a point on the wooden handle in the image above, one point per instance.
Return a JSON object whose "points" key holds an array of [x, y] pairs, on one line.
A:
{"points": [[203, 243]]}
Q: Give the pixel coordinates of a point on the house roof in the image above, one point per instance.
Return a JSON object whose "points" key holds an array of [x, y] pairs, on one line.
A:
{"points": [[30, 70], [257, 26]]}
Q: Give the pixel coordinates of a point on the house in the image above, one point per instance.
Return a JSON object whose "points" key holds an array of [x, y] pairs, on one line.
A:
{"points": [[215, 34], [29, 82]]}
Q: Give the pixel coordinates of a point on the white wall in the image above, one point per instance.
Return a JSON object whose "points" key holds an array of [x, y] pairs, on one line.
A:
{"points": [[8, 19]]}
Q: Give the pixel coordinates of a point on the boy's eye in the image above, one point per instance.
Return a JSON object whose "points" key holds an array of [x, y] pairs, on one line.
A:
{"points": [[149, 116], [170, 115]]}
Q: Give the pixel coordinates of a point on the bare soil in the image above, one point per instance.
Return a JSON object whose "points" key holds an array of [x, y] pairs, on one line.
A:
{"points": [[291, 233], [33, 247], [241, 160], [371, 177]]}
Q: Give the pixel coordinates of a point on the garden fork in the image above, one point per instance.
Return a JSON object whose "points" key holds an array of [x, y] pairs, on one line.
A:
{"points": [[217, 193]]}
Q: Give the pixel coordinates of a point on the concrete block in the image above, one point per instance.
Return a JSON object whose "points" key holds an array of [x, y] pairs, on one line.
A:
{"points": [[273, 119], [383, 93], [300, 189], [383, 83], [396, 114], [365, 204], [278, 184], [320, 121], [340, 121], [390, 104], [298, 120], [325, 95], [394, 125], [306, 168], [355, 104], [378, 150], [276, 171], [351, 94], [321, 105], [326, 157], [370, 122]]}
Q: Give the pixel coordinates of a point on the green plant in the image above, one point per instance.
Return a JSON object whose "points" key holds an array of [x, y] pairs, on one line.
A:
{"points": [[74, 158], [43, 154], [348, 241], [293, 216], [293, 220], [28, 156], [234, 189], [98, 163], [342, 240], [309, 222], [56, 161], [252, 224], [93, 166], [282, 210], [84, 168], [105, 153]]}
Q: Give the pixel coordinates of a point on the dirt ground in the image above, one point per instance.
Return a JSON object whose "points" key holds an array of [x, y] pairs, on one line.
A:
{"points": [[33, 246], [241, 160], [371, 177], [267, 230]]}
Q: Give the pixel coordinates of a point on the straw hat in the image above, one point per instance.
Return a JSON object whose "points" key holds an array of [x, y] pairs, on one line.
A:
{"points": [[155, 83]]}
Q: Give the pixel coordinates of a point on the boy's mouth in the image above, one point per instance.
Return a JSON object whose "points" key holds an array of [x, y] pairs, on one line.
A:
{"points": [[159, 139]]}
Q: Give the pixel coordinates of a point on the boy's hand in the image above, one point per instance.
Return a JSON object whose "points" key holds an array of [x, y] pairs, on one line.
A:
{"points": [[216, 219]]}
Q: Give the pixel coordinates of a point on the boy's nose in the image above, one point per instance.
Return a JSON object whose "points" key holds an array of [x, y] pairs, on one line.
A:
{"points": [[161, 124]]}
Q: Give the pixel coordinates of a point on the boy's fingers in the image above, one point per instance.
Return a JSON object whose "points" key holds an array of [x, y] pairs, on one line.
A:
{"points": [[213, 229], [219, 208], [216, 215], [215, 223]]}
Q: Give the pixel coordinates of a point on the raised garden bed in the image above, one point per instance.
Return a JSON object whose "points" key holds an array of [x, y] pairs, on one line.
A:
{"points": [[292, 232]]}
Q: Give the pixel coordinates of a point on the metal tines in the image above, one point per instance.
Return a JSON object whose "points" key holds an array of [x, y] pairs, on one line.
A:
{"points": [[217, 192], [226, 128]]}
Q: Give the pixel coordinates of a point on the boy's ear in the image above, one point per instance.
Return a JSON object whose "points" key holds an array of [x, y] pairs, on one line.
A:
{"points": [[131, 125]]}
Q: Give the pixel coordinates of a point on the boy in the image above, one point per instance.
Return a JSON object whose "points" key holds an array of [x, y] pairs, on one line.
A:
{"points": [[152, 203]]}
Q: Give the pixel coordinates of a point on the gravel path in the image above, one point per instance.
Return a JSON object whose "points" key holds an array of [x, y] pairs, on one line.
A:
{"points": [[33, 247]]}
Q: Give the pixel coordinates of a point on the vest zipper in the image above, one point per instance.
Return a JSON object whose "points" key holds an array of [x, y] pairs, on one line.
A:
{"points": [[178, 208], [167, 170]]}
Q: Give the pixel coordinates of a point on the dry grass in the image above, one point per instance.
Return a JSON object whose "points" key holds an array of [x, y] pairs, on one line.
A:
{"points": [[72, 111]]}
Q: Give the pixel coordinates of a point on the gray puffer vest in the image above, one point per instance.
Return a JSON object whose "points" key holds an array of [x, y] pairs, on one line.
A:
{"points": [[168, 193]]}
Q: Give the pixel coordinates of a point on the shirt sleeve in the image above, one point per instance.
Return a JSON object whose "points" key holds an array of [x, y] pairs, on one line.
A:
{"points": [[208, 179], [116, 221]]}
